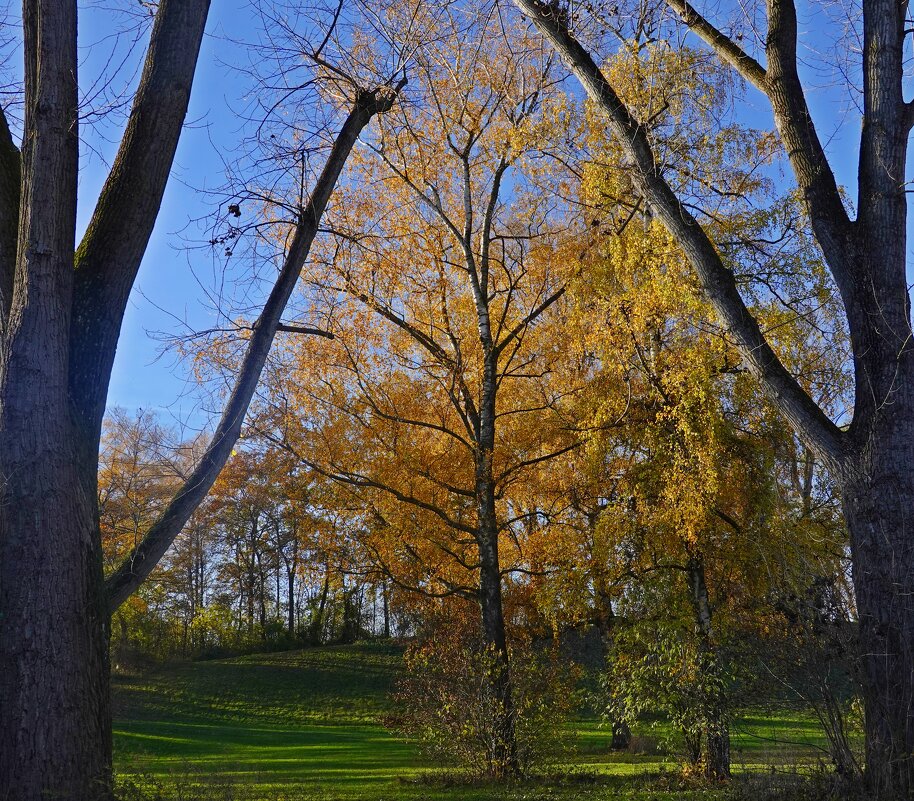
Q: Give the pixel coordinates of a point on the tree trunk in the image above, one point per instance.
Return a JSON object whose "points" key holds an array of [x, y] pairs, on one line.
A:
{"points": [[316, 627], [877, 499], [290, 578], [55, 717], [716, 730], [621, 733], [504, 758]]}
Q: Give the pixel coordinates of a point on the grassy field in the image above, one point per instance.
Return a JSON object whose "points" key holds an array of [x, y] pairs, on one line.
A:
{"points": [[308, 725]]}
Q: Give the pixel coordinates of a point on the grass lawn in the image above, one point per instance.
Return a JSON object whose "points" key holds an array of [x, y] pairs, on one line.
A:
{"points": [[307, 725]]}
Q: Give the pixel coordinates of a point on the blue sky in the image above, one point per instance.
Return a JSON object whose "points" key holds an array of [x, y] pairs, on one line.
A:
{"points": [[166, 290]]}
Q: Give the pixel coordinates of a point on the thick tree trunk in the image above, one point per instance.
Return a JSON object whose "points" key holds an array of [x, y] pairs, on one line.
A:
{"points": [[55, 736], [878, 501], [55, 741]]}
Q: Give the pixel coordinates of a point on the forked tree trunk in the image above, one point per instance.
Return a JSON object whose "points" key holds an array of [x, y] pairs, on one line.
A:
{"points": [[55, 737], [60, 316]]}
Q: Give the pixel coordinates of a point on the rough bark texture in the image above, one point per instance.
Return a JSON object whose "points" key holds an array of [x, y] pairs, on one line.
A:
{"points": [[877, 505], [55, 728], [60, 316]]}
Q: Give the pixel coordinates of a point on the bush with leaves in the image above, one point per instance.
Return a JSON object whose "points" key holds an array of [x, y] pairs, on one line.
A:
{"points": [[662, 671], [447, 703]]}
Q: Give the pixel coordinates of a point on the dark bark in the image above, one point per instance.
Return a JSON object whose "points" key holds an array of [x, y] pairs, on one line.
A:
{"points": [[54, 711], [877, 506], [316, 627], [10, 186], [290, 584], [504, 758], [112, 248]]}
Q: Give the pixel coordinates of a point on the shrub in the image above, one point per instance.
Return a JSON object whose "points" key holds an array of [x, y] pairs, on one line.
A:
{"points": [[446, 702]]}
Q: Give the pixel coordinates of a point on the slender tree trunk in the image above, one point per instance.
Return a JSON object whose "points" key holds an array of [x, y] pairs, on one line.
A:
{"points": [[317, 622], [504, 758], [386, 603], [717, 732], [290, 578], [621, 733]]}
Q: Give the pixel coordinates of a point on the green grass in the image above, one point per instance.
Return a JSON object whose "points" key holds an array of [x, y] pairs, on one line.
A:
{"points": [[308, 725]]}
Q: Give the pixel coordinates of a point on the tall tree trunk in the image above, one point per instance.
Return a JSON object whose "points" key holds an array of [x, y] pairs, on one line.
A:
{"points": [[716, 729], [505, 760], [55, 737], [877, 499]]}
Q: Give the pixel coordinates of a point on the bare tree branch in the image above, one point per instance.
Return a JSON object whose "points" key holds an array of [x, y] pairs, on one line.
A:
{"points": [[146, 555], [718, 282], [305, 329], [528, 320], [109, 256]]}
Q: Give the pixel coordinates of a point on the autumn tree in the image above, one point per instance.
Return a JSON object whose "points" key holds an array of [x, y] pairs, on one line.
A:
{"points": [[446, 380], [685, 511], [866, 255], [61, 308]]}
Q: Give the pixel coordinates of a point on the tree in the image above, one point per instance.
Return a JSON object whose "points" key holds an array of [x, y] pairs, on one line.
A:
{"points": [[61, 308], [444, 386], [866, 256]]}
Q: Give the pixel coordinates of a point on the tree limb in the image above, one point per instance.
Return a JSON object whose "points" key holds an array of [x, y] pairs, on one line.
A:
{"points": [[529, 319], [305, 329], [150, 550], [10, 186], [728, 50], [815, 179], [780, 82], [112, 248], [717, 281]]}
